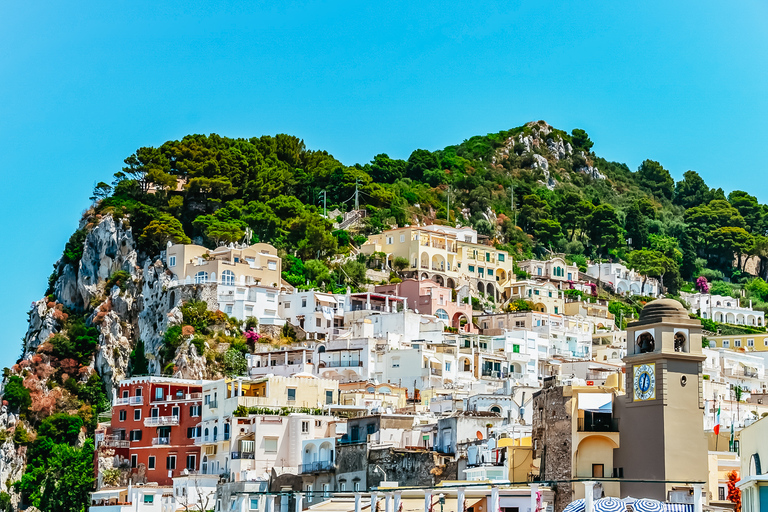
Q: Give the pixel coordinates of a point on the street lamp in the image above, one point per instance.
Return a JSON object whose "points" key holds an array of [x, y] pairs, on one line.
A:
{"points": [[378, 469], [441, 498]]}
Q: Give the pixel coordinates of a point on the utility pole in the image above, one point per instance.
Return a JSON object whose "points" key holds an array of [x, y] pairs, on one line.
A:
{"points": [[357, 195]]}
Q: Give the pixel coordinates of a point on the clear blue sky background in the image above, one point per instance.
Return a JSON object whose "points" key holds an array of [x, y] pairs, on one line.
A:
{"points": [[83, 84]]}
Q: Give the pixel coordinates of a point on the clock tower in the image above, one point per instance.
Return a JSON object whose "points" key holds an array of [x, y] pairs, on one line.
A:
{"points": [[661, 420]]}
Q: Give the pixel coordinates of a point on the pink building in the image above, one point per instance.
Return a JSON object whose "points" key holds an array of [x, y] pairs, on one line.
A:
{"points": [[430, 298]]}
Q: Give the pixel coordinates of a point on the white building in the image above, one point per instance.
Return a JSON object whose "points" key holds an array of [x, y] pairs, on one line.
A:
{"points": [[195, 491], [145, 498], [320, 315], [555, 269], [248, 301], [624, 280], [723, 309]]}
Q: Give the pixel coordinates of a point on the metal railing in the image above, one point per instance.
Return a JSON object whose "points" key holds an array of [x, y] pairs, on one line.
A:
{"points": [[242, 455], [599, 425], [161, 440], [317, 467], [213, 404], [130, 400], [342, 364], [154, 421]]}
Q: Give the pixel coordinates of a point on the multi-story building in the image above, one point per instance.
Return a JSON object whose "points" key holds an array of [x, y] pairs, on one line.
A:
{"points": [[285, 362], [545, 296], [319, 315], [449, 256], [754, 481], [226, 405], [593, 309], [158, 418], [555, 269], [757, 342], [624, 280], [575, 434], [232, 265], [250, 301], [430, 298], [723, 309]]}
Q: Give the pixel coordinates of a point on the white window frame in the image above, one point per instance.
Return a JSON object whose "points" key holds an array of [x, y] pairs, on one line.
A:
{"points": [[172, 261], [151, 462]]}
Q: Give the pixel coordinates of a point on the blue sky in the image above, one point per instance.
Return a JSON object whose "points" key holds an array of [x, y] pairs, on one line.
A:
{"points": [[83, 84]]}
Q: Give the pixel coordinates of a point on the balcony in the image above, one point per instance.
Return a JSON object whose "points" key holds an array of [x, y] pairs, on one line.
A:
{"points": [[342, 364], [159, 421], [115, 442], [213, 404], [161, 441], [323, 466], [436, 372], [493, 374], [130, 400], [599, 425], [242, 456]]}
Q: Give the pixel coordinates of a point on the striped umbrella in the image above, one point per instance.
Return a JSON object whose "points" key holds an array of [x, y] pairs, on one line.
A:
{"points": [[648, 505], [575, 506], [610, 505]]}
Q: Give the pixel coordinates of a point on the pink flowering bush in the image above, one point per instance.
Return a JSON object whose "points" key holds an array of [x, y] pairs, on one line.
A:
{"points": [[252, 336], [702, 284]]}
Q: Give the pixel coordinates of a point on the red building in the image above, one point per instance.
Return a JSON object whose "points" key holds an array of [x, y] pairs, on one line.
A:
{"points": [[154, 425]]}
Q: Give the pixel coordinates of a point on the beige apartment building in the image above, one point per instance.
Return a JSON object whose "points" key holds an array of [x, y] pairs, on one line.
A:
{"points": [[231, 265], [449, 256]]}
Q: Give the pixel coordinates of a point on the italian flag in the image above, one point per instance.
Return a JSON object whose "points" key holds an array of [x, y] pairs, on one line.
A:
{"points": [[717, 422]]}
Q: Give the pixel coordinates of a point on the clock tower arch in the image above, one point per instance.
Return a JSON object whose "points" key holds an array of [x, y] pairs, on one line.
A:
{"points": [[661, 417]]}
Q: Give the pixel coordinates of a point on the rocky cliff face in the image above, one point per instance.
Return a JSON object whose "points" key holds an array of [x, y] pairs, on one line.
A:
{"points": [[142, 308], [547, 148]]}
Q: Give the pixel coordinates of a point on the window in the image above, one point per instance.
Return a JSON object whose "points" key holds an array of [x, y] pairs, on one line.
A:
{"points": [[501, 257], [191, 462], [137, 414], [207, 399], [395, 362], [329, 396], [442, 314], [736, 343], [172, 261], [304, 302], [487, 256], [538, 271], [122, 415], [135, 435], [134, 460], [318, 322], [151, 462], [254, 504], [402, 238], [201, 277], [750, 343], [175, 411], [159, 393], [357, 486], [247, 446], [471, 268], [287, 305], [390, 240], [170, 462], [304, 427], [326, 490], [291, 394], [226, 431], [447, 366], [149, 498], [597, 471], [228, 278], [191, 432], [726, 343], [515, 349], [270, 445], [490, 271], [342, 486], [154, 412], [272, 265], [194, 410]]}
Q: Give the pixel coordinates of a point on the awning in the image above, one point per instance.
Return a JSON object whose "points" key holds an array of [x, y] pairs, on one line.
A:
{"points": [[595, 402], [323, 297], [678, 507]]}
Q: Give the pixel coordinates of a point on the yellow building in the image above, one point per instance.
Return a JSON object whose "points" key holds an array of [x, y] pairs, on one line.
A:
{"points": [[231, 265], [742, 342], [450, 256]]}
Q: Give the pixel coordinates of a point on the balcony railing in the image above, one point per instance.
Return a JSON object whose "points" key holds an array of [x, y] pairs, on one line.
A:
{"points": [[436, 371], [242, 455], [599, 425], [130, 400], [161, 440], [116, 443], [213, 404], [156, 421], [342, 364], [322, 466]]}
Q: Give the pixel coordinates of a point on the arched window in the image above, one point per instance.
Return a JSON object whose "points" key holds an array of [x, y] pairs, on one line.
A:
{"points": [[646, 343], [201, 277], [496, 409], [206, 434], [226, 431], [228, 278], [215, 432], [441, 314]]}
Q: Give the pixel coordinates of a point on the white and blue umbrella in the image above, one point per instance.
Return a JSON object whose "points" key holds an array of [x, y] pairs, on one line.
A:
{"points": [[610, 505], [575, 506], [648, 505]]}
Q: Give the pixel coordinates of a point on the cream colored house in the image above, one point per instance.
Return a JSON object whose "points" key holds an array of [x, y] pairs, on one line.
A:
{"points": [[754, 479], [556, 269], [449, 256], [546, 297], [231, 265]]}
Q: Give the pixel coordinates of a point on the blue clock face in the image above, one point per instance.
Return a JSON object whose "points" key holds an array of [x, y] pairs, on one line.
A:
{"points": [[645, 382]]}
